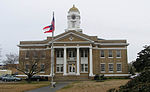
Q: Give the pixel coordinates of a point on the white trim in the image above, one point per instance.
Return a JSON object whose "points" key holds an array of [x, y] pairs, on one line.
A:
{"points": [[108, 44], [116, 75], [110, 48], [81, 42], [24, 45], [72, 46], [69, 34], [33, 49]]}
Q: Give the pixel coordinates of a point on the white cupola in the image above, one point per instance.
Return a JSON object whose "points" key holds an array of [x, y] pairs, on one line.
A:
{"points": [[73, 19]]}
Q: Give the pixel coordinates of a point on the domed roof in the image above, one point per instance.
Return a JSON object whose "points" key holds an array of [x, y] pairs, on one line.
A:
{"points": [[74, 9]]}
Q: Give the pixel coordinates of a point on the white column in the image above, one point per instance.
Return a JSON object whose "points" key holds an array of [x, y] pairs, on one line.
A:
{"points": [[78, 73], [91, 62], [65, 61]]}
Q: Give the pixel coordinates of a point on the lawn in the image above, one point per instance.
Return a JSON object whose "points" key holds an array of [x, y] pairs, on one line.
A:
{"points": [[21, 86], [92, 86]]}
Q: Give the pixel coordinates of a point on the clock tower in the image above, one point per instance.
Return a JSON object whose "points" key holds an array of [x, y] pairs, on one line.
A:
{"points": [[73, 19]]}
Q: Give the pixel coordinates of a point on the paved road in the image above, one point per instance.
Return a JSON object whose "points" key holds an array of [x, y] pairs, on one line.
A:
{"points": [[49, 89]]}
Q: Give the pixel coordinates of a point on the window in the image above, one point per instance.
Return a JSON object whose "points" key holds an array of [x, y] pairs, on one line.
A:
{"points": [[110, 54], [71, 54], [102, 67], [60, 54], [84, 53], [84, 67], [35, 55], [59, 68], [118, 53], [42, 68], [102, 53], [27, 68], [27, 55], [119, 68], [110, 67], [43, 54]]}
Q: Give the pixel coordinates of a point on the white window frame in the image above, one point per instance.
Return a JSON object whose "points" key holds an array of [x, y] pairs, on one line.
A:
{"points": [[109, 53], [117, 67], [104, 67], [60, 66], [109, 67], [118, 51], [84, 68], [101, 54]]}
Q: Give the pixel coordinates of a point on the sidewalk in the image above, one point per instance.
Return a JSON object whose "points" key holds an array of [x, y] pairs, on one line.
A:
{"points": [[49, 89]]}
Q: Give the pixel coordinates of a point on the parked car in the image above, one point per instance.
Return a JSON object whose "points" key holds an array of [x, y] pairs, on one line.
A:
{"points": [[5, 75], [133, 76], [38, 78], [11, 78]]}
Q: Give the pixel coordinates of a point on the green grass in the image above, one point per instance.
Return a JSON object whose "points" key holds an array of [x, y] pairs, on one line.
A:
{"points": [[68, 86]]}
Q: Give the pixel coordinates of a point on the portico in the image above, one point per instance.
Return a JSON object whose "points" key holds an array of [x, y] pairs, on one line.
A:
{"points": [[74, 59]]}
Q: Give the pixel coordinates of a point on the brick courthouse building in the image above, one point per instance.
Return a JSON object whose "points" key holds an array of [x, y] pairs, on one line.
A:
{"points": [[78, 55]]}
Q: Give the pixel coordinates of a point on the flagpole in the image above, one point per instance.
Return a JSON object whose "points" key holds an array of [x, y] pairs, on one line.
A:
{"points": [[52, 58]]}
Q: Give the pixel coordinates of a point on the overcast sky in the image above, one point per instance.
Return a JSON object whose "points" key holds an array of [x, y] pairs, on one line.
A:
{"points": [[23, 20]]}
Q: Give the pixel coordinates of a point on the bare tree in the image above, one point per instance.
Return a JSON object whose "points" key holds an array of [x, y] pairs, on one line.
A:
{"points": [[33, 65], [11, 59]]}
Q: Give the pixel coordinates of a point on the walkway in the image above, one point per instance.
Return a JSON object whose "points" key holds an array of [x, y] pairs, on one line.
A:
{"points": [[49, 89]]}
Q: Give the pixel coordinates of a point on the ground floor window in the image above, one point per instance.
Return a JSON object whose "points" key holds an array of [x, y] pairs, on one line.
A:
{"points": [[119, 68], [84, 67], [110, 67], [102, 67], [42, 68], [59, 68]]}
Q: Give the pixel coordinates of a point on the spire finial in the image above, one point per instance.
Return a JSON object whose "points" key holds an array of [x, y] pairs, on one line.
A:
{"points": [[73, 5]]}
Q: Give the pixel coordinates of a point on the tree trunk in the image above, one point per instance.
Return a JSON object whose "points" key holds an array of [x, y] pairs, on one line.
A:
{"points": [[29, 78]]}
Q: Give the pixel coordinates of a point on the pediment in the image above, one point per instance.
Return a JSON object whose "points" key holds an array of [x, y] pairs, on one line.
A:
{"points": [[72, 37]]}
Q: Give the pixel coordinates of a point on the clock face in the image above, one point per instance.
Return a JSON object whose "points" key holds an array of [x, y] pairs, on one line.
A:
{"points": [[73, 16]]}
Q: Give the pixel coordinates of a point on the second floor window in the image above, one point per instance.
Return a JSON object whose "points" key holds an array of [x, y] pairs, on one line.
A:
{"points": [[71, 54], [102, 54], [118, 53], [43, 54], [84, 53], [27, 54], [59, 54], [35, 54], [110, 53]]}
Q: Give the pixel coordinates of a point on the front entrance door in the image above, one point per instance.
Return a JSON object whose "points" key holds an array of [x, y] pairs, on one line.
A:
{"points": [[71, 68]]}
